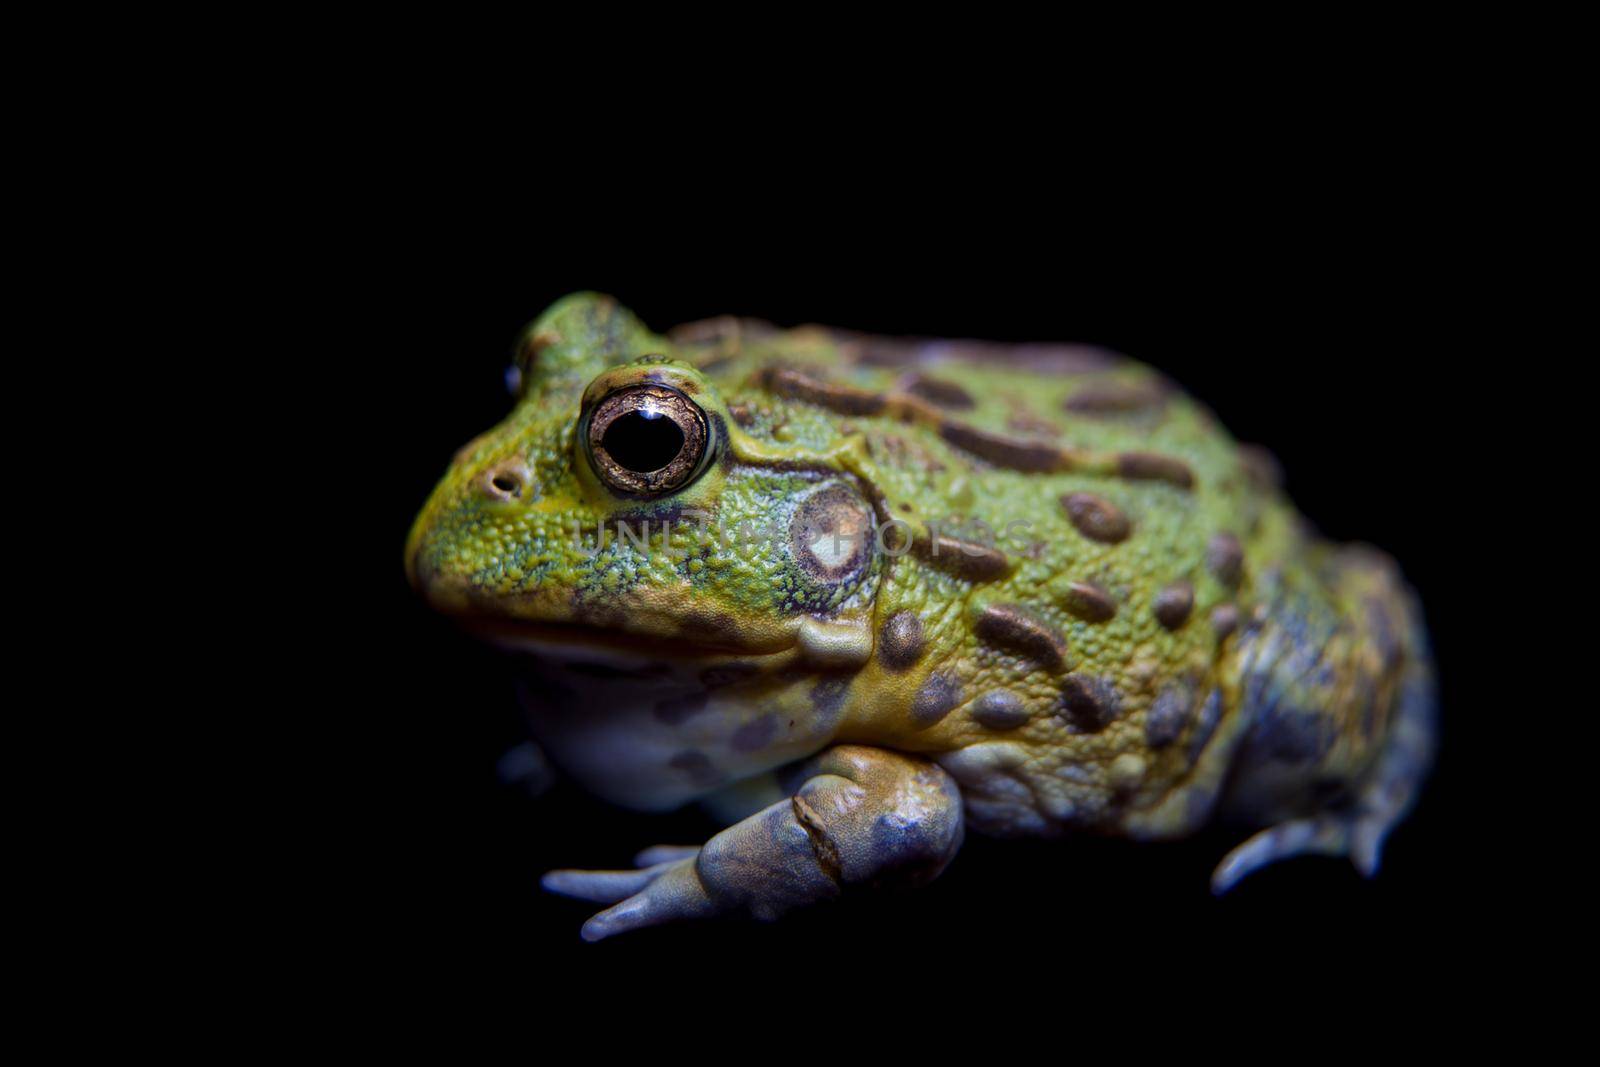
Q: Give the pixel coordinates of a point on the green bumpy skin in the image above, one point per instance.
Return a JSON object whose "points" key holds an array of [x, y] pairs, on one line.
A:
{"points": [[1076, 598]]}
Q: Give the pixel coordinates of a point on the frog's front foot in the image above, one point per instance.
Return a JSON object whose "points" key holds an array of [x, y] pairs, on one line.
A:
{"points": [[860, 816]]}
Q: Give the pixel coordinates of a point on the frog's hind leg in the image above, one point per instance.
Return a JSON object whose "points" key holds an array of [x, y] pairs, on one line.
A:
{"points": [[1384, 798]]}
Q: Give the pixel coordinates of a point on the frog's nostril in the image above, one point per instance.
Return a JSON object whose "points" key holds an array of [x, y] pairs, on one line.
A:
{"points": [[503, 484]]}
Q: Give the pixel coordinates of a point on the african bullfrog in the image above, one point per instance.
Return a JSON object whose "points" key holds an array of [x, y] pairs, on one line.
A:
{"points": [[860, 595]]}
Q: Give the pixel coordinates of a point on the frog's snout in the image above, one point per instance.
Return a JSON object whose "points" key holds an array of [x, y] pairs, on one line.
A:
{"points": [[418, 573], [422, 569]]}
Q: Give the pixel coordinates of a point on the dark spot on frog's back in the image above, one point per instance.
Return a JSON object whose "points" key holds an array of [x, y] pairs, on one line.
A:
{"points": [[1019, 630], [1096, 518], [1089, 602], [1000, 709], [1089, 703], [934, 699], [1173, 604], [964, 559], [1115, 398], [1155, 467], [945, 394], [1224, 619], [844, 399], [900, 641], [1042, 358], [1225, 559], [1013, 452]]}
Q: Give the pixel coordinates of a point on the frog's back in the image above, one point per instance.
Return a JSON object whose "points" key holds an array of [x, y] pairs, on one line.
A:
{"points": [[1096, 610]]}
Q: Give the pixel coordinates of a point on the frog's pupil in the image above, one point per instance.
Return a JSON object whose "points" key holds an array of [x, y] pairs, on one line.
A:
{"points": [[643, 440]]}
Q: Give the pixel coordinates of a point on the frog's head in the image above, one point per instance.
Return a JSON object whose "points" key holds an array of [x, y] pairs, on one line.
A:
{"points": [[619, 503]]}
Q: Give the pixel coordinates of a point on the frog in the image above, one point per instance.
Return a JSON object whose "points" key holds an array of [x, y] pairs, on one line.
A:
{"points": [[858, 596]]}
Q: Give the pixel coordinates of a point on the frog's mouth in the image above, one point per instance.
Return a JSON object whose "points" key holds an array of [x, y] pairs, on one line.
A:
{"points": [[651, 628], [657, 625], [587, 640]]}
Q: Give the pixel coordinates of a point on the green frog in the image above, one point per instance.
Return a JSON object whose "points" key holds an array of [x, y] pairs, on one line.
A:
{"points": [[860, 595]]}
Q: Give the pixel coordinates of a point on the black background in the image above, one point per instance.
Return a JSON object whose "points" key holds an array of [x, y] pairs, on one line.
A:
{"points": [[1326, 323]]}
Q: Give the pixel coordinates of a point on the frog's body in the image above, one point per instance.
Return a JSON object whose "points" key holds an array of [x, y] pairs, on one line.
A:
{"points": [[904, 587]]}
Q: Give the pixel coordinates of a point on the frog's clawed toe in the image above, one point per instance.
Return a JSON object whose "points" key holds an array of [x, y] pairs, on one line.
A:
{"points": [[665, 854], [662, 886], [1358, 835], [602, 887], [1358, 838], [658, 893]]}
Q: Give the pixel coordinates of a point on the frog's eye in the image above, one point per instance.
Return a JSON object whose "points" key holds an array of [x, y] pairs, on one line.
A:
{"points": [[646, 439]]}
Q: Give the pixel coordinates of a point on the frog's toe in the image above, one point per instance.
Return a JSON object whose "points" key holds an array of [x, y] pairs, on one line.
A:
{"points": [[1359, 838], [602, 887], [1325, 836], [674, 892], [665, 854]]}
